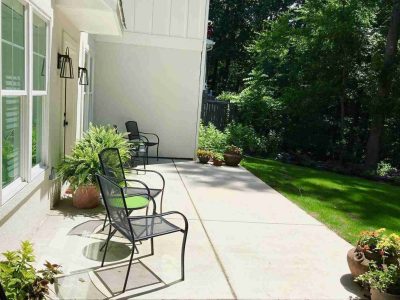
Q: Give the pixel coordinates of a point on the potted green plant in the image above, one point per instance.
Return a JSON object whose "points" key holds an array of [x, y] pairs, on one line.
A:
{"points": [[373, 246], [233, 155], [217, 158], [79, 169], [21, 280], [384, 282], [204, 156]]}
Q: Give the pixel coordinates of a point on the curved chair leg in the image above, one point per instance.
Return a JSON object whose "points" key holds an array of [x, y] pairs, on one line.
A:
{"points": [[161, 201], [183, 255], [157, 152], [129, 268], [105, 221], [105, 250]]}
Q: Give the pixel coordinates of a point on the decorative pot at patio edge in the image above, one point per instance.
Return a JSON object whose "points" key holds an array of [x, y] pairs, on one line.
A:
{"points": [[87, 196], [232, 160], [357, 262], [378, 295], [217, 162], [203, 159]]}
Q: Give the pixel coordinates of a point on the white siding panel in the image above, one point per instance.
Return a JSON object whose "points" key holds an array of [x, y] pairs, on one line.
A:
{"points": [[129, 14], [179, 18], [161, 17], [195, 19], [143, 15]]}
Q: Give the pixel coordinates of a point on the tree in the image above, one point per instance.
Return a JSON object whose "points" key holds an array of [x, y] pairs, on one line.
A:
{"points": [[384, 93]]}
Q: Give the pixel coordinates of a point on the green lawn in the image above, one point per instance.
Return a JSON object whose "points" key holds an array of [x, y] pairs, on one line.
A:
{"points": [[346, 204]]}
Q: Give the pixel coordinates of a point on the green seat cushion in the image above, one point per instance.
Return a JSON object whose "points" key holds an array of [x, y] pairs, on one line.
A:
{"points": [[132, 202]]}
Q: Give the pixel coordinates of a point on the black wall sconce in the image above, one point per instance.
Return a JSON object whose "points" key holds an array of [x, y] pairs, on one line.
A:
{"points": [[64, 62], [83, 76]]}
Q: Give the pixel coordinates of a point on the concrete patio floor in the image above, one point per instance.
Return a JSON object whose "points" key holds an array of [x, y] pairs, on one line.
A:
{"points": [[245, 241]]}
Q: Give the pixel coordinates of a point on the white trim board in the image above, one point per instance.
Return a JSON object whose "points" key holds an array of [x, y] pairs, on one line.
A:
{"points": [[150, 40]]}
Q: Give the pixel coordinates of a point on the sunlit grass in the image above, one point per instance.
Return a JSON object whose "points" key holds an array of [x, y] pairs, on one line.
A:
{"points": [[346, 204]]}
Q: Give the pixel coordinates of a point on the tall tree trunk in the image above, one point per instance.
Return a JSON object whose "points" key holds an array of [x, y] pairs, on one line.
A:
{"points": [[384, 88]]}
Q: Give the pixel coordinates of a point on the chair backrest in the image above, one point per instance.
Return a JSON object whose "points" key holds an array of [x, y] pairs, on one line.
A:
{"points": [[133, 129], [114, 201], [2, 293], [111, 164]]}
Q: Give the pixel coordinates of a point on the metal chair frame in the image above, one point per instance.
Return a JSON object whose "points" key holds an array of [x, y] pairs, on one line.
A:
{"points": [[131, 236]]}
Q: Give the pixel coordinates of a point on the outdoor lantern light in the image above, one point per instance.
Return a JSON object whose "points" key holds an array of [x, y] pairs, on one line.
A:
{"points": [[64, 62], [83, 76]]}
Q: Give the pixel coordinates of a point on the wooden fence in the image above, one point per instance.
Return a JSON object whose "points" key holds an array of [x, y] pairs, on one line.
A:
{"points": [[220, 113]]}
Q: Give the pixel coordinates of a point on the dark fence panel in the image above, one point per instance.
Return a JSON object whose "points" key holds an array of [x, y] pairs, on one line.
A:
{"points": [[220, 113]]}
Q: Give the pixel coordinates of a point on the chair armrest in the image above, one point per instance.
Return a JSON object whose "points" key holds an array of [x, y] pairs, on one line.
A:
{"points": [[138, 181], [150, 171], [162, 215], [149, 133]]}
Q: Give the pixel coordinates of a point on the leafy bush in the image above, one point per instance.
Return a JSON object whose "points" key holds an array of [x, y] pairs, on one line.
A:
{"points": [[246, 138], [20, 279], [229, 97], [369, 239], [211, 139], [382, 279], [389, 245], [203, 153], [217, 156], [385, 169], [81, 166]]}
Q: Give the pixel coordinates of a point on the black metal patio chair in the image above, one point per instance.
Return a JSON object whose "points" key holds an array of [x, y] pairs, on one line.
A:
{"points": [[136, 135], [136, 148], [137, 228], [112, 166], [2, 293]]}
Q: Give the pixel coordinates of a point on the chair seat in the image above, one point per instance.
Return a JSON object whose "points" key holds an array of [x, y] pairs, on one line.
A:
{"points": [[145, 228], [137, 190], [132, 202]]}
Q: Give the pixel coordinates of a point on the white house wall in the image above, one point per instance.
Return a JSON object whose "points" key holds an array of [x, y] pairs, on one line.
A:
{"points": [[157, 87], [153, 72]]}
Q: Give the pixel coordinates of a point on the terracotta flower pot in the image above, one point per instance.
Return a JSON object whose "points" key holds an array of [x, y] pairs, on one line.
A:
{"points": [[378, 295], [232, 160], [217, 162], [203, 159], [87, 196], [358, 263]]}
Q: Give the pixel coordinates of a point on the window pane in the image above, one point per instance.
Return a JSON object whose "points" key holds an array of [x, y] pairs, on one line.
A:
{"points": [[39, 53], [37, 130], [11, 134], [13, 45]]}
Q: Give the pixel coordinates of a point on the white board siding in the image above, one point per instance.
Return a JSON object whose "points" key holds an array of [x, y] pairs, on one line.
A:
{"points": [[175, 18]]}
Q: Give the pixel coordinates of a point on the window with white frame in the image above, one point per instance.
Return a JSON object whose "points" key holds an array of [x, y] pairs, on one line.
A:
{"points": [[24, 44]]}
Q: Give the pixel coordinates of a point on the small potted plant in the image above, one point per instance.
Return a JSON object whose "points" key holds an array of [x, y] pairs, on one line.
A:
{"points": [[233, 155], [373, 246], [384, 281], [217, 158], [80, 168], [204, 156], [21, 280]]}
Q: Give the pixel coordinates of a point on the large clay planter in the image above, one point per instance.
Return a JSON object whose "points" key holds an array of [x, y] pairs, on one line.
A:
{"points": [[203, 159], [87, 196], [232, 160], [358, 263], [377, 295]]}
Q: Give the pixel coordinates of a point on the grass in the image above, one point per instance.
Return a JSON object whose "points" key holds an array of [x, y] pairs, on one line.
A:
{"points": [[345, 204]]}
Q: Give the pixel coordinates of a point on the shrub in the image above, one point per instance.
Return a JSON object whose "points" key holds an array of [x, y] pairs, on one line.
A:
{"points": [[211, 139], [217, 156], [369, 239], [246, 138], [382, 279], [81, 166], [229, 97], [385, 169], [20, 279]]}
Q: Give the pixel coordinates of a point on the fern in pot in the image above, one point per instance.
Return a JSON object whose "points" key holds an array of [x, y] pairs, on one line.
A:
{"points": [[79, 169]]}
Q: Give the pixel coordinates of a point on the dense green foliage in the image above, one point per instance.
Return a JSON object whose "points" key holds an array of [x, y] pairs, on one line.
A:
{"points": [[235, 25], [384, 280], [316, 81], [348, 205], [81, 166], [20, 279]]}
